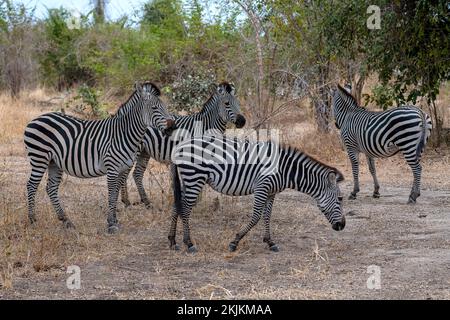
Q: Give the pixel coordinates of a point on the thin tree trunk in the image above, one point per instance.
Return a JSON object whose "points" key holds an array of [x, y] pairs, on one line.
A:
{"points": [[260, 113]]}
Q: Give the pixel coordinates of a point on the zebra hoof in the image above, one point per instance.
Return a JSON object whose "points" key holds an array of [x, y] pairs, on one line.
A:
{"points": [[126, 203], [175, 247], [192, 249], [232, 247], [68, 224], [148, 206], [274, 248], [32, 219], [352, 196], [411, 201], [113, 229], [376, 195]]}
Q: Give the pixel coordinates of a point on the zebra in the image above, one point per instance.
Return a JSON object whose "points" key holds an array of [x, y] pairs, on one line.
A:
{"points": [[91, 148], [222, 107], [239, 167], [381, 135]]}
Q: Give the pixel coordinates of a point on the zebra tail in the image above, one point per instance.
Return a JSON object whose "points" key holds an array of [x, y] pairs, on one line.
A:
{"points": [[177, 193], [426, 132]]}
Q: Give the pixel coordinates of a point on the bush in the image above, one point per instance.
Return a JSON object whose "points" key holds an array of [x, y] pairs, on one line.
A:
{"points": [[382, 96], [191, 92], [90, 105]]}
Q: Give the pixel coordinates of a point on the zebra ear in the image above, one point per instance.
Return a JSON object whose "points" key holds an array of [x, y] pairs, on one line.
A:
{"points": [[138, 87], [339, 177], [232, 89], [220, 89], [332, 179], [346, 92]]}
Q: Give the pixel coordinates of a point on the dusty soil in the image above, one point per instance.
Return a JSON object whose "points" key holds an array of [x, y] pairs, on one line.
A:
{"points": [[409, 243]]}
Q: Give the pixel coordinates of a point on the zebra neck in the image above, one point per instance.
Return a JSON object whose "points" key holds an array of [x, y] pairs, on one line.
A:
{"points": [[342, 110], [210, 116], [128, 105], [301, 172], [131, 128]]}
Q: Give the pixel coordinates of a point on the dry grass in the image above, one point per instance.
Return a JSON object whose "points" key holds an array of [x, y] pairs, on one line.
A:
{"points": [[15, 115]]}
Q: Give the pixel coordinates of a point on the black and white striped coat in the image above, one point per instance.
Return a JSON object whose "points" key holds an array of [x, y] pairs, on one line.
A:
{"points": [[221, 108], [381, 134], [91, 148], [241, 167]]}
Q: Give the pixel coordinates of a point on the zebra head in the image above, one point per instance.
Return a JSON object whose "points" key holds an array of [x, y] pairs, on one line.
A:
{"points": [[342, 102], [230, 110], [157, 115], [330, 200]]}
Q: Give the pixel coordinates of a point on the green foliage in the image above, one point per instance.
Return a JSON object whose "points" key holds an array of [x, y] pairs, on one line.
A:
{"points": [[382, 96], [58, 59], [412, 49], [90, 104], [16, 47]]}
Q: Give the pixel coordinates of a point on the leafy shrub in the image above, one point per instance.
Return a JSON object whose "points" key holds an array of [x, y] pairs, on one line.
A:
{"points": [[382, 95], [192, 91], [90, 104]]}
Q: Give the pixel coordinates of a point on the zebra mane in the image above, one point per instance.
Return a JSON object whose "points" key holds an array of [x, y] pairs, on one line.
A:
{"points": [[228, 86], [296, 151], [153, 89], [206, 104], [124, 105], [347, 95]]}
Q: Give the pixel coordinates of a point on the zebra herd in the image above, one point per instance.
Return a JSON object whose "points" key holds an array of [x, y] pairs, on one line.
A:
{"points": [[201, 154]]}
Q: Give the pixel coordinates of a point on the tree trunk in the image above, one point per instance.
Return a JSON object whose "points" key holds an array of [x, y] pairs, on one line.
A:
{"points": [[437, 126], [99, 8], [14, 78], [358, 88], [322, 102]]}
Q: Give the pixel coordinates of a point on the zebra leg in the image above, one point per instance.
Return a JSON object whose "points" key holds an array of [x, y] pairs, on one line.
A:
{"points": [[188, 201], [54, 180], [124, 190], [267, 213], [115, 182], [138, 175], [37, 172], [373, 172], [173, 229], [259, 205], [417, 172], [175, 213], [354, 159]]}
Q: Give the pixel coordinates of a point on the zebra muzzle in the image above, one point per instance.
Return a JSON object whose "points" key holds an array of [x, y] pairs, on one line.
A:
{"points": [[240, 121], [170, 127], [340, 225]]}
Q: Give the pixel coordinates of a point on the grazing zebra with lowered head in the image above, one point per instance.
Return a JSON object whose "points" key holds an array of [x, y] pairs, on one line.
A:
{"points": [[381, 135], [91, 148], [222, 107], [242, 167]]}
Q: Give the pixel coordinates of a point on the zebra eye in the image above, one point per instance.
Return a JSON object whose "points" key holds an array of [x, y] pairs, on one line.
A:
{"points": [[227, 103]]}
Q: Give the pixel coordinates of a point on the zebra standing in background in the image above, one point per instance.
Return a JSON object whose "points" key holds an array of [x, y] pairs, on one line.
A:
{"points": [[87, 149], [242, 167], [381, 135], [222, 107]]}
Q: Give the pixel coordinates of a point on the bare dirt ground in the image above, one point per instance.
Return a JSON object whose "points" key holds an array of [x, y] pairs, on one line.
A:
{"points": [[410, 244]]}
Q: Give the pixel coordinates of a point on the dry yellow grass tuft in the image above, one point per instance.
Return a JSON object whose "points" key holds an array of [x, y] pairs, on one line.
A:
{"points": [[15, 115]]}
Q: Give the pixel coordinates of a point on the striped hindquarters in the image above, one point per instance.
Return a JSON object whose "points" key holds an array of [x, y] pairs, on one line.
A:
{"points": [[73, 144]]}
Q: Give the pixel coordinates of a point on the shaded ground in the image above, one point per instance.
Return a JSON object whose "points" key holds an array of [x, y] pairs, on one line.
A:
{"points": [[410, 244]]}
